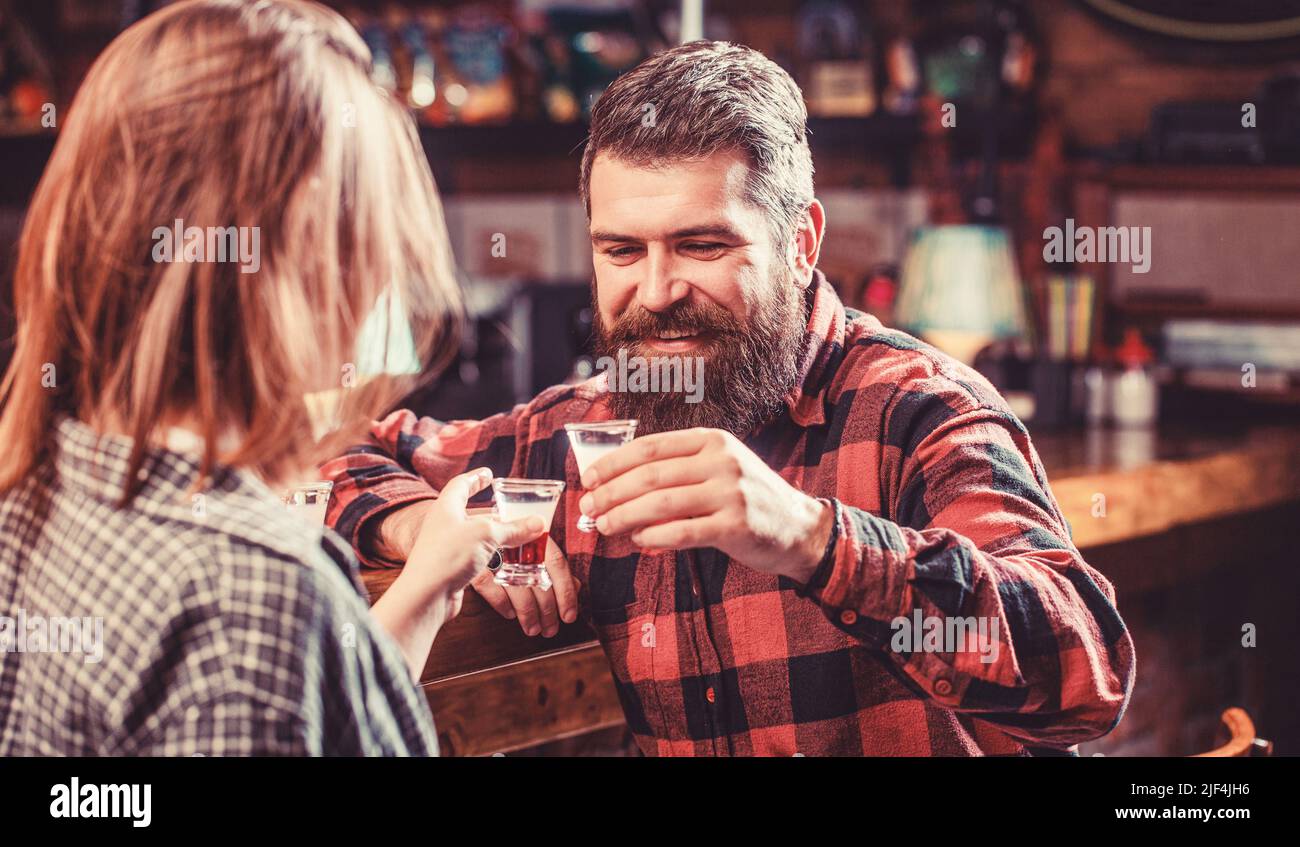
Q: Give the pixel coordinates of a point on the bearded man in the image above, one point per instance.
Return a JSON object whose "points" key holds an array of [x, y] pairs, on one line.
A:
{"points": [[759, 545]]}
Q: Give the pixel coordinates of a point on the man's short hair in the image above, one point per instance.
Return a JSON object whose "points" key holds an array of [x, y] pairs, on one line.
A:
{"points": [[706, 97]]}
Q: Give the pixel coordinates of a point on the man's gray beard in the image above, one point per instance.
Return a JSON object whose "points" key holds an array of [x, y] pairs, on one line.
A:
{"points": [[748, 371]]}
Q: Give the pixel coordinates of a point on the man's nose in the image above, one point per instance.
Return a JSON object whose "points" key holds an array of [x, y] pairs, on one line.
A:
{"points": [[662, 286]]}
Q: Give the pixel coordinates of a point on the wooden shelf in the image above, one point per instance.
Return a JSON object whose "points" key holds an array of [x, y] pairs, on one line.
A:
{"points": [[1207, 177], [1162, 310], [476, 156], [878, 135]]}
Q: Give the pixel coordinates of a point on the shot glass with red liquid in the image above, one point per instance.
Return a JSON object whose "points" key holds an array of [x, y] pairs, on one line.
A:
{"points": [[521, 498]]}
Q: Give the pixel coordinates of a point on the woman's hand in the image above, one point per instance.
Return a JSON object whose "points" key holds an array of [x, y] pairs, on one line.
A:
{"points": [[450, 549], [538, 611]]}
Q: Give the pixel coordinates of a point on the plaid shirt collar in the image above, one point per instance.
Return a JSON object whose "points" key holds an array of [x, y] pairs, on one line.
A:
{"points": [[100, 465], [171, 487], [823, 350]]}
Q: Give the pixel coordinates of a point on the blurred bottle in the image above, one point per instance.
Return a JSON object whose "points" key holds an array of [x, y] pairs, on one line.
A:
{"points": [[384, 69], [880, 293], [837, 60], [26, 81], [1134, 393], [1096, 393], [903, 77], [471, 58], [420, 88]]}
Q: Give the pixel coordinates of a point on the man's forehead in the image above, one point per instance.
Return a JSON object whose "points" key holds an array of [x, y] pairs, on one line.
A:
{"points": [[687, 194]]}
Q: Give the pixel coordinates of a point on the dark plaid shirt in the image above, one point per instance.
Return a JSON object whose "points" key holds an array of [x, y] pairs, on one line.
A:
{"points": [[229, 626], [941, 506]]}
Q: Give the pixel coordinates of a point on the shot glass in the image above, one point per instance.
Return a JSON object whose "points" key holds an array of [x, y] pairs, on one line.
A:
{"points": [[521, 498], [309, 501], [590, 441]]}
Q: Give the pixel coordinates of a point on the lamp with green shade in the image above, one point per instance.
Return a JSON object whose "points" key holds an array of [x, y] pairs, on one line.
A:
{"points": [[385, 344], [960, 290]]}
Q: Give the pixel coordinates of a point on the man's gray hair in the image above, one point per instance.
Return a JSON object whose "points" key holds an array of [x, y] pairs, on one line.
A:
{"points": [[706, 97]]}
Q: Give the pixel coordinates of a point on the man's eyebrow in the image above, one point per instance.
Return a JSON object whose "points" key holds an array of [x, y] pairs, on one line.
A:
{"points": [[601, 235], [715, 230]]}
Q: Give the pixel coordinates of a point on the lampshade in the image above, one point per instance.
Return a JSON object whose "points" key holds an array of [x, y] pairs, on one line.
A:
{"points": [[385, 344], [960, 289]]}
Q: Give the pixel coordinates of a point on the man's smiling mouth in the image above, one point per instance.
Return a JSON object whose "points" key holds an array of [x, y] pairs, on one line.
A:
{"points": [[676, 340]]}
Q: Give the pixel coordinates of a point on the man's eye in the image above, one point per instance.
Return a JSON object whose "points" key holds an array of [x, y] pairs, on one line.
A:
{"points": [[621, 252], [703, 248]]}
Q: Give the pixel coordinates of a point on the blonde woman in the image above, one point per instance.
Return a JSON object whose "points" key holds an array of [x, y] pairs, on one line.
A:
{"points": [[155, 598]]}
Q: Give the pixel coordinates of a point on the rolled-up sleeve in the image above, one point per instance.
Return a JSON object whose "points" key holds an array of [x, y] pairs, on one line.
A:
{"points": [[407, 459]]}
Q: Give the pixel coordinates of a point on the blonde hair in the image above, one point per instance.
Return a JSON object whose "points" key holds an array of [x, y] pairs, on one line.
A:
{"points": [[222, 114]]}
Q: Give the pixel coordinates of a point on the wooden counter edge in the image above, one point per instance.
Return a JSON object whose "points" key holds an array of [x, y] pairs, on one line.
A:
{"points": [[1163, 495], [542, 698]]}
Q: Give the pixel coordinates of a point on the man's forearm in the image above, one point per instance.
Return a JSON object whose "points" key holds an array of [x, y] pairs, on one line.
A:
{"points": [[391, 535], [888, 576]]}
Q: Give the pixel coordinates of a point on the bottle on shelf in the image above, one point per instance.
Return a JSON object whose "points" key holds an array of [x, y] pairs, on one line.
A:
{"points": [[837, 60], [1134, 393]]}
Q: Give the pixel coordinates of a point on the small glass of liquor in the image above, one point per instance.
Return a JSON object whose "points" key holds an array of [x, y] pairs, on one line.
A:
{"points": [[590, 441], [309, 501], [521, 498]]}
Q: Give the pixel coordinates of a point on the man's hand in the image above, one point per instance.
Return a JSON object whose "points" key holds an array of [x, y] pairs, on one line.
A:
{"points": [[454, 547], [538, 612], [704, 488]]}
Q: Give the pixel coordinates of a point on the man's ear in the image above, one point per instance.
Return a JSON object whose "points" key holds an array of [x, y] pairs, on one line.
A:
{"points": [[806, 243]]}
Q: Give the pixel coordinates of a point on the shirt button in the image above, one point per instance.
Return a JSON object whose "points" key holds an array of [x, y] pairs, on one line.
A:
{"points": [[848, 617], [710, 696], [942, 687]]}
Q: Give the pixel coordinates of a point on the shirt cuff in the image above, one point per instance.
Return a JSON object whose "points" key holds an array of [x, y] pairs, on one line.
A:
{"points": [[366, 512], [862, 580], [822, 574]]}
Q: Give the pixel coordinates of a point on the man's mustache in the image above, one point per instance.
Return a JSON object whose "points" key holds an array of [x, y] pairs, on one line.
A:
{"points": [[691, 319]]}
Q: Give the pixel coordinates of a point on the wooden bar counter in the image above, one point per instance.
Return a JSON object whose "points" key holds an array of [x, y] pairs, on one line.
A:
{"points": [[493, 689]]}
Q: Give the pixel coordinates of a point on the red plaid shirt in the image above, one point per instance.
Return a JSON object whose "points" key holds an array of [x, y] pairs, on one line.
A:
{"points": [[941, 506]]}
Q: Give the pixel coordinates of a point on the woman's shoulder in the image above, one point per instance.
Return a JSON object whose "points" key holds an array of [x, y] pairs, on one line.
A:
{"points": [[262, 616], [264, 568], [273, 542], [245, 592], [257, 610]]}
